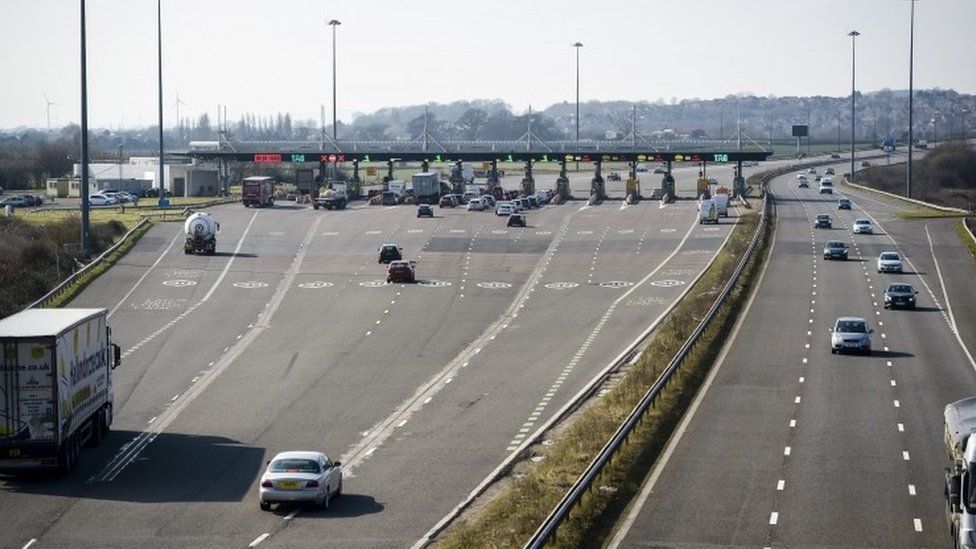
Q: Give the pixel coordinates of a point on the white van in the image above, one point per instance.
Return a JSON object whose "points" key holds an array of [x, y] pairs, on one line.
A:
{"points": [[707, 212]]}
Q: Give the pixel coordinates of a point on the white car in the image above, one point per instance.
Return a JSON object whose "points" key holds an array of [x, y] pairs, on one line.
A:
{"points": [[826, 186], [862, 226], [476, 205], [300, 477], [889, 262]]}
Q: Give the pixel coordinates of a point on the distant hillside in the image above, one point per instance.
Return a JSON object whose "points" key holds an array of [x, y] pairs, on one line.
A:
{"points": [[945, 176]]}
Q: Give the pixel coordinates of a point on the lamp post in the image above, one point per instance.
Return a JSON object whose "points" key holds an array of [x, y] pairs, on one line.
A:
{"points": [[853, 34], [85, 243], [163, 202], [577, 45], [334, 24], [911, 75]]}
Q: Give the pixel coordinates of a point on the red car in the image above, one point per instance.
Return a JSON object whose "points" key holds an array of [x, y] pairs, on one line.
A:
{"points": [[401, 271]]}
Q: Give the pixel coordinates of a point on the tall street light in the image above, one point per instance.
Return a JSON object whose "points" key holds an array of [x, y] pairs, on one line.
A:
{"points": [[85, 242], [334, 24], [577, 45], [911, 75], [853, 34], [163, 202]]}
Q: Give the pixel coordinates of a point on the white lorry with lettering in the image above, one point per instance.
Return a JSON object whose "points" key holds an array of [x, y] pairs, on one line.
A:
{"points": [[55, 386], [960, 488]]}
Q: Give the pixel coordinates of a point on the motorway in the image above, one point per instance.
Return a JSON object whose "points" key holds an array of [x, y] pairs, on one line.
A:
{"points": [[289, 338], [791, 446]]}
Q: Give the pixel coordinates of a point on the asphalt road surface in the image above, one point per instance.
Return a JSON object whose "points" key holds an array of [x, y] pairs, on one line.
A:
{"points": [[792, 446], [290, 338]]}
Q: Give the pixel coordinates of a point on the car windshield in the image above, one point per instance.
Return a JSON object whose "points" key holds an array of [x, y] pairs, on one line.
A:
{"points": [[835, 244], [890, 256], [862, 222], [294, 466], [900, 289], [851, 327], [823, 216]]}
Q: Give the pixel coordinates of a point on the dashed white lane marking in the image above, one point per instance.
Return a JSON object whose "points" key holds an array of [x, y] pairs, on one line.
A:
{"points": [[130, 452], [773, 518], [292, 514], [897, 404], [29, 543], [918, 525], [901, 427], [797, 400], [780, 485], [259, 539], [786, 451], [792, 423], [905, 456], [911, 489]]}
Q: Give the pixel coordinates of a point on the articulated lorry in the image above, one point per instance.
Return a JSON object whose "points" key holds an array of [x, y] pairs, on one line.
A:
{"points": [[201, 234], [426, 187], [55, 386], [258, 191], [960, 489]]}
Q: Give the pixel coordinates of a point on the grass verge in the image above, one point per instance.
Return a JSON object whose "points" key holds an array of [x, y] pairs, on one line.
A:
{"points": [[512, 516], [965, 236], [926, 214], [84, 280]]}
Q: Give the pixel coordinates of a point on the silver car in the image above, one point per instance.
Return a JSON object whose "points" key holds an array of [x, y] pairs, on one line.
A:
{"points": [[889, 262], [300, 477], [862, 226], [850, 333]]}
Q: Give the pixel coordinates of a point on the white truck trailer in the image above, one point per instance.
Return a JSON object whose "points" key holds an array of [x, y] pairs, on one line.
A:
{"points": [[960, 489], [55, 386]]}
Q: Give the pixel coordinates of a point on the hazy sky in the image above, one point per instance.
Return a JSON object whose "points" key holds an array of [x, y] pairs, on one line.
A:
{"points": [[271, 56]]}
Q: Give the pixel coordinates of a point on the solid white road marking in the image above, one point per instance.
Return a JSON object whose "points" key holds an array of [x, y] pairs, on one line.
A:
{"points": [[29, 543]]}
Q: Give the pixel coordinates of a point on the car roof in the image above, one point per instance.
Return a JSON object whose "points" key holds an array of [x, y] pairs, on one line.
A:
{"points": [[823, 215], [829, 242], [301, 454], [851, 319], [862, 220]]}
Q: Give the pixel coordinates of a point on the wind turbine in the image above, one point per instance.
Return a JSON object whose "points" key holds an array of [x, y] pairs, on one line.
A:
{"points": [[49, 103], [179, 122]]}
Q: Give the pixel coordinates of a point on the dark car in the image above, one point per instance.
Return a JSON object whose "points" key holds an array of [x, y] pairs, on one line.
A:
{"points": [[900, 295], [613, 176], [844, 204], [835, 155], [390, 252], [424, 210], [533, 201], [516, 220], [401, 271], [389, 199], [447, 201], [835, 249], [822, 221]]}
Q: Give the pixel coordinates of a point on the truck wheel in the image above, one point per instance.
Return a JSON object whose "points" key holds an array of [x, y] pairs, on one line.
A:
{"points": [[98, 428], [64, 460]]}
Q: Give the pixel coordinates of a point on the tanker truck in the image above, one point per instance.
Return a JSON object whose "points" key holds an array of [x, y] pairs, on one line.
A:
{"points": [[201, 234]]}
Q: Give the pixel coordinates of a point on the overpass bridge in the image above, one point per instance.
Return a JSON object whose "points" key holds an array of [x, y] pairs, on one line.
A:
{"points": [[528, 152]]}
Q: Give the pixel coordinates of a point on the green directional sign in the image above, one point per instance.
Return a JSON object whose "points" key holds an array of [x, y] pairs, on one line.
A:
{"points": [[366, 158], [298, 158], [720, 158]]}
